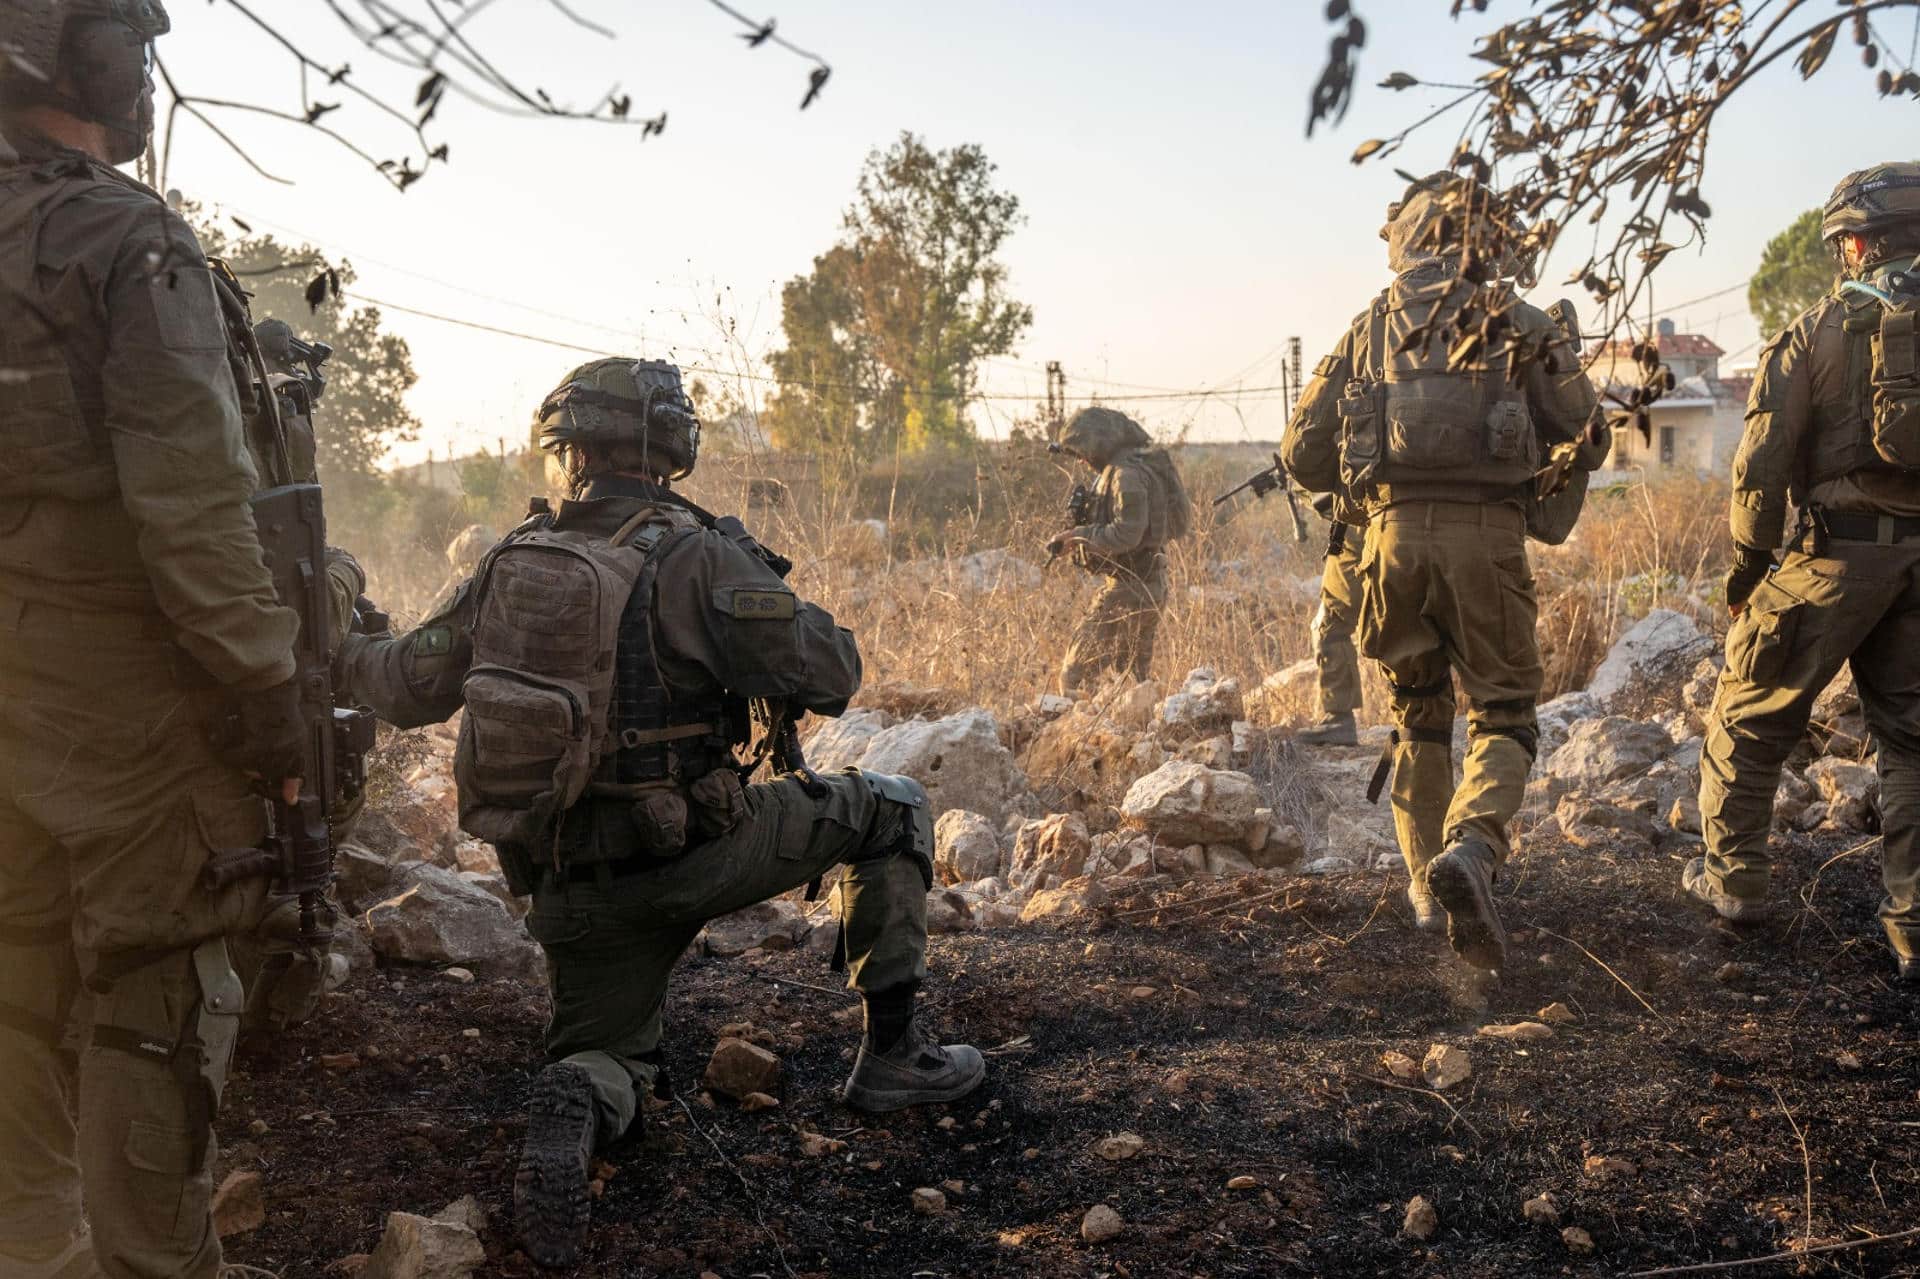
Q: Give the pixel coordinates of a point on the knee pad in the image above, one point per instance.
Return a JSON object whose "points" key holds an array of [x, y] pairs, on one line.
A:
{"points": [[903, 822], [1528, 734]]}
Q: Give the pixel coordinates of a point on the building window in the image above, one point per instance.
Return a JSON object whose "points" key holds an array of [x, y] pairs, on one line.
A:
{"points": [[1666, 446]]}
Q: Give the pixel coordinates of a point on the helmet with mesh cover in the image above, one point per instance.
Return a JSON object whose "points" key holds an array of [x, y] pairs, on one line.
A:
{"points": [[89, 58], [624, 414]]}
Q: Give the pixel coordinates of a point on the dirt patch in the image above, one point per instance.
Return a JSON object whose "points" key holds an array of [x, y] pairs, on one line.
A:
{"points": [[1236, 1028]]}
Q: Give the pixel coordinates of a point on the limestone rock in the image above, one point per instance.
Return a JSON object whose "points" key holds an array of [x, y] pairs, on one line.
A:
{"points": [[1557, 718], [948, 912], [1183, 803], [436, 917], [1075, 899], [1226, 860], [1056, 846], [361, 876], [960, 761], [778, 924], [1520, 1032], [1091, 748], [1205, 705], [1578, 1241], [1649, 647], [1400, 1066], [1541, 1210], [1280, 847], [738, 1068], [1599, 751], [1588, 823], [1791, 799], [1684, 816], [1120, 1147], [928, 1202], [1444, 1066], [1422, 1221], [1282, 696], [1851, 792], [1125, 853], [1556, 1013], [464, 1211], [415, 1247], [239, 1204], [839, 743], [966, 847], [1100, 1224]]}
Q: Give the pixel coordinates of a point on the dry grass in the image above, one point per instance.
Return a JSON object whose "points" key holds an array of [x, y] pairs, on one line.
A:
{"points": [[937, 564]]}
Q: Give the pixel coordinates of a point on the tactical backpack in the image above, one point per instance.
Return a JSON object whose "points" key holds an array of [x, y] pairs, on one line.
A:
{"points": [[540, 692], [1406, 422], [1894, 412], [1178, 506]]}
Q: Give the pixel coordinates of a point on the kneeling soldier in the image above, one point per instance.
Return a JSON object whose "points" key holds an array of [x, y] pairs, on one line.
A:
{"points": [[605, 653]]}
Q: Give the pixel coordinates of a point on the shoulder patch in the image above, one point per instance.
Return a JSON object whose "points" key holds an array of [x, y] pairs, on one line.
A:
{"points": [[758, 605], [1328, 366], [433, 641]]}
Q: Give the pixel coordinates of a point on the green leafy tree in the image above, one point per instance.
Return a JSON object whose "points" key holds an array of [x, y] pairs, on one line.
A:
{"points": [[885, 336], [364, 412], [1795, 271]]}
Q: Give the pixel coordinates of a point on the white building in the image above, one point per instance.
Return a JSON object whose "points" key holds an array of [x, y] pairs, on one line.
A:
{"points": [[1696, 426]]}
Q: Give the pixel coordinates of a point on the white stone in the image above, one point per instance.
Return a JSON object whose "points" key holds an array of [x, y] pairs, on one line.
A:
{"points": [[439, 918], [966, 847], [1206, 704], [1599, 751], [1055, 846], [1656, 638], [416, 1247], [1185, 803], [839, 743], [959, 759], [776, 924]]}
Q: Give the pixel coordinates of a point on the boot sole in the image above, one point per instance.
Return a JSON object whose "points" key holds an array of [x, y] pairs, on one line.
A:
{"points": [[1473, 925], [550, 1201], [879, 1101]]}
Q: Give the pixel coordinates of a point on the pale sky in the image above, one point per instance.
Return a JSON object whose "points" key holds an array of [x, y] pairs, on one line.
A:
{"points": [[1180, 226]]}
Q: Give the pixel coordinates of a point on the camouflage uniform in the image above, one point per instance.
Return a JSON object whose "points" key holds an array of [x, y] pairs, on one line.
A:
{"points": [[134, 597], [1124, 543], [1847, 591], [665, 839], [1447, 592]]}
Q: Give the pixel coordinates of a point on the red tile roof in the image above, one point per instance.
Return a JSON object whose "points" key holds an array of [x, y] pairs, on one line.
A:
{"points": [[1692, 345]]}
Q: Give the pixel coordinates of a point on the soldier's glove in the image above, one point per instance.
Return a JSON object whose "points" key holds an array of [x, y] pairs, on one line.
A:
{"points": [[1749, 566], [265, 735]]}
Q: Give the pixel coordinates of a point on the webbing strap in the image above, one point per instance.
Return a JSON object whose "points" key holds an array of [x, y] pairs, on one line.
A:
{"points": [[31, 1024], [1508, 704], [146, 1047], [1383, 769], [633, 738], [1377, 340]]}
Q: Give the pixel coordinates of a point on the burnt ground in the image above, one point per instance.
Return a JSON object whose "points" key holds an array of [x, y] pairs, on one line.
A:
{"points": [[1255, 1053]]}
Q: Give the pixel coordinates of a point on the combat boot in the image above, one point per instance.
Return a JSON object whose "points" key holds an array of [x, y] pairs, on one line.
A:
{"points": [[914, 1072], [1330, 730], [1461, 880], [1739, 910], [1427, 915], [550, 1196]]}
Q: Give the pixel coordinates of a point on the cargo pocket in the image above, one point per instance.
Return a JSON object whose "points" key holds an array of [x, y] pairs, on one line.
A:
{"points": [[529, 736], [159, 1191], [1761, 639]]}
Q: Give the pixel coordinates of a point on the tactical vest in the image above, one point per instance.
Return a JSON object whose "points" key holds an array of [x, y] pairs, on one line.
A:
{"points": [[1411, 425], [564, 699], [53, 411], [1865, 392], [1106, 498]]}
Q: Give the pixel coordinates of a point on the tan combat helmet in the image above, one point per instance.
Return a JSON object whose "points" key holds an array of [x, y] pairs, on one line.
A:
{"points": [[1872, 199], [102, 48], [1097, 435], [639, 404]]}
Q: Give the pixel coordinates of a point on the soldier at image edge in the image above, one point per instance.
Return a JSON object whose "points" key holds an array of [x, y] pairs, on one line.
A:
{"points": [[139, 618], [1138, 506], [614, 793], [1443, 464], [1833, 425]]}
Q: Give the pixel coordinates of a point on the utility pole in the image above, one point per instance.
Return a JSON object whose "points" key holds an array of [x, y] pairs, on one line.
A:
{"points": [[1056, 399], [1294, 384]]}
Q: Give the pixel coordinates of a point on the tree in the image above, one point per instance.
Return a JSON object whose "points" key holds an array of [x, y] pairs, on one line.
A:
{"points": [[1795, 271], [885, 336], [363, 413]]}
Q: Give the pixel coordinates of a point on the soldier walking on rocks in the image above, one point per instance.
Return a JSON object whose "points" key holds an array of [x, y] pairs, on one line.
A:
{"points": [[1442, 456], [1337, 661], [1834, 426], [1139, 506], [609, 654]]}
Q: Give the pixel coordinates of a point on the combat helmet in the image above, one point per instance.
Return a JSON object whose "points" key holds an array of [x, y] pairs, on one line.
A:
{"points": [[637, 403], [1099, 434], [1872, 199], [104, 47]]}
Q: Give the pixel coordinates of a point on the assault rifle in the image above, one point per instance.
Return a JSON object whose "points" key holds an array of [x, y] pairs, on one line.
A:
{"points": [[1272, 479], [298, 849]]}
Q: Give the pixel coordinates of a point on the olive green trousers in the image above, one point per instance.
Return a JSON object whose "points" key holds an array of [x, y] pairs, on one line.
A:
{"points": [[110, 803], [1857, 603], [1333, 625], [1447, 595], [1118, 632], [612, 941]]}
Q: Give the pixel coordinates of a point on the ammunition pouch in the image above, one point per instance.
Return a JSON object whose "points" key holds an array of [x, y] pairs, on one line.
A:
{"points": [[1896, 388]]}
